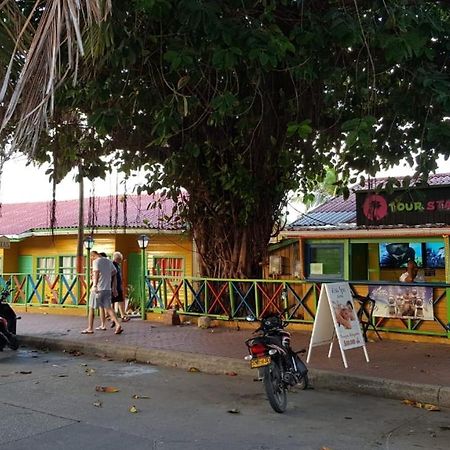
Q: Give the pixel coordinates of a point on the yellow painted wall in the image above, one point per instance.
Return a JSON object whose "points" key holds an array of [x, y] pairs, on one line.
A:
{"points": [[171, 245], [179, 245], [374, 266], [10, 264]]}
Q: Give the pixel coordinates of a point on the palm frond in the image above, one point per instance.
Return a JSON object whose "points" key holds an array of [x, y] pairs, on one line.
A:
{"points": [[49, 53]]}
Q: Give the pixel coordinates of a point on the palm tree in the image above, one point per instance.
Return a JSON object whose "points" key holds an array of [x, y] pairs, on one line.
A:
{"points": [[37, 39], [40, 46]]}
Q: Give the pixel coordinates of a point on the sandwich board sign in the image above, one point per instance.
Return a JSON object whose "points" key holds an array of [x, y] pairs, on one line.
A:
{"points": [[336, 317]]}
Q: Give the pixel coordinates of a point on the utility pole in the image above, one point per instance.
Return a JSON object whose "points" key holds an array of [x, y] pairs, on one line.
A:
{"points": [[80, 251]]}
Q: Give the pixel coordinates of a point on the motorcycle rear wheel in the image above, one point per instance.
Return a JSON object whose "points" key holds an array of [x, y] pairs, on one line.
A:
{"points": [[275, 388]]}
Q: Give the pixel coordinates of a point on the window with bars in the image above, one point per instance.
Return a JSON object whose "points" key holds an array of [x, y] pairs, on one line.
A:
{"points": [[45, 266], [68, 266], [173, 267]]}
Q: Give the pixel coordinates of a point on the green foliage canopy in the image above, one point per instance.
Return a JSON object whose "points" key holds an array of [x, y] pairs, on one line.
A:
{"points": [[242, 101]]}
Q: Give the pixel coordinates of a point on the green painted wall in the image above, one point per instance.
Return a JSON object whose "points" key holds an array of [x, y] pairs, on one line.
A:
{"points": [[134, 272], [25, 264]]}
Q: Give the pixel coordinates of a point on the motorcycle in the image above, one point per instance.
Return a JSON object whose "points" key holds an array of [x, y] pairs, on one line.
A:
{"points": [[278, 365], [8, 321]]}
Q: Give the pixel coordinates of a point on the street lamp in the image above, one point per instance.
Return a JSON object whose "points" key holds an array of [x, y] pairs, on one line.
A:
{"points": [[143, 241], [88, 243]]}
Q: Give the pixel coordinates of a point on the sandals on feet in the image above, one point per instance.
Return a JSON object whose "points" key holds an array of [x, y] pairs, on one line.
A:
{"points": [[87, 332], [118, 331], [101, 328]]}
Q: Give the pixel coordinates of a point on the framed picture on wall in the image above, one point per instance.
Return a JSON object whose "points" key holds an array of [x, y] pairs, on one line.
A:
{"points": [[396, 255]]}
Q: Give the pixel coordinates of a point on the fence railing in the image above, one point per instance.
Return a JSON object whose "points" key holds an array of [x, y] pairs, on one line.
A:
{"points": [[233, 299], [297, 299], [224, 299], [45, 290]]}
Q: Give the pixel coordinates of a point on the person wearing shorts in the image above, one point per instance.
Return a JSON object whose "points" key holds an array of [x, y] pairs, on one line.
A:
{"points": [[103, 287]]}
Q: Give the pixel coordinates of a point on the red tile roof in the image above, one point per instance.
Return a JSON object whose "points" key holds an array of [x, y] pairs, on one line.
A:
{"points": [[132, 211]]}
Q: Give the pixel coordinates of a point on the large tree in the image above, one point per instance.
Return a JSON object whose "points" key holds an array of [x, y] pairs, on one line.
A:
{"points": [[241, 101]]}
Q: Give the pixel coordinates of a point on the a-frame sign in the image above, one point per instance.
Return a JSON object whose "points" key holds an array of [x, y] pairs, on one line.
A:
{"points": [[336, 317]]}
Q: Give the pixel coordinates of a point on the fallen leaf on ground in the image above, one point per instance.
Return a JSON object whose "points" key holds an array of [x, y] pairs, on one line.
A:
{"points": [[83, 365], [75, 353], [133, 409], [233, 411], [136, 396], [231, 374], [108, 389], [193, 369], [325, 448], [430, 407], [25, 372], [427, 406], [89, 371], [97, 403], [62, 376]]}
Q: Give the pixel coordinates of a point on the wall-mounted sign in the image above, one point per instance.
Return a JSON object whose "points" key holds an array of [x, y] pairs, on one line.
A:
{"points": [[416, 206], [316, 268], [4, 242], [403, 302]]}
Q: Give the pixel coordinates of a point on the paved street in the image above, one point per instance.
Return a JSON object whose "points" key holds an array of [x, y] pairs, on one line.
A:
{"points": [[49, 401]]}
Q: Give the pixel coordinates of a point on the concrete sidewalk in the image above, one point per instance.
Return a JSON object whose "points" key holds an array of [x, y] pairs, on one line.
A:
{"points": [[397, 369]]}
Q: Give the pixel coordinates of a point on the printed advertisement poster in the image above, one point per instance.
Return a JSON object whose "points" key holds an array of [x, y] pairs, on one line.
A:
{"points": [[403, 302], [347, 324]]}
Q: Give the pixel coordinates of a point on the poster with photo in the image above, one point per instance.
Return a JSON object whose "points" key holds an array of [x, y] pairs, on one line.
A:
{"points": [[347, 325], [336, 317], [403, 302]]}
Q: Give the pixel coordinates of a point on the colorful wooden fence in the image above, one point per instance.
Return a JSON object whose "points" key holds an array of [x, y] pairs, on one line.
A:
{"points": [[224, 299], [44, 290], [233, 299]]}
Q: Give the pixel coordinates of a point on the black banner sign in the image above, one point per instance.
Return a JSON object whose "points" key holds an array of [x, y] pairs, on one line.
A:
{"points": [[410, 207]]}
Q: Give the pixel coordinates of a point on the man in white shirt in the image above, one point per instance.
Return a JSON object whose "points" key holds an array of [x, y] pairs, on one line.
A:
{"points": [[411, 274], [103, 286]]}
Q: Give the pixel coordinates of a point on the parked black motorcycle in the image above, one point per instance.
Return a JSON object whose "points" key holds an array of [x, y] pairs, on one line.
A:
{"points": [[279, 366], [8, 320]]}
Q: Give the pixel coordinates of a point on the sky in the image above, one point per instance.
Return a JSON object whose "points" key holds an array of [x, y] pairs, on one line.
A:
{"points": [[27, 183], [21, 183]]}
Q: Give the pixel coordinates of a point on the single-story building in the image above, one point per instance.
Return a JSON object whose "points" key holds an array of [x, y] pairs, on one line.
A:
{"points": [[36, 248], [367, 239]]}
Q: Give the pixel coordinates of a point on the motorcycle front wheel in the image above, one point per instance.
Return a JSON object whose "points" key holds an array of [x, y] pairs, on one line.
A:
{"points": [[304, 383], [10, 340], [275, 388]]}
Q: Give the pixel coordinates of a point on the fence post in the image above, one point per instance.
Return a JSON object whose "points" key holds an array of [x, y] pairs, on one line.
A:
{"points": [[231, 297], [257, 311], [447, 280]]}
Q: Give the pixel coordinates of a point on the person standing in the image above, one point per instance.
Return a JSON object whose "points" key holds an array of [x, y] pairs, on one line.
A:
{"points": [[103, 286], [119, 299], [412, 273]]}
